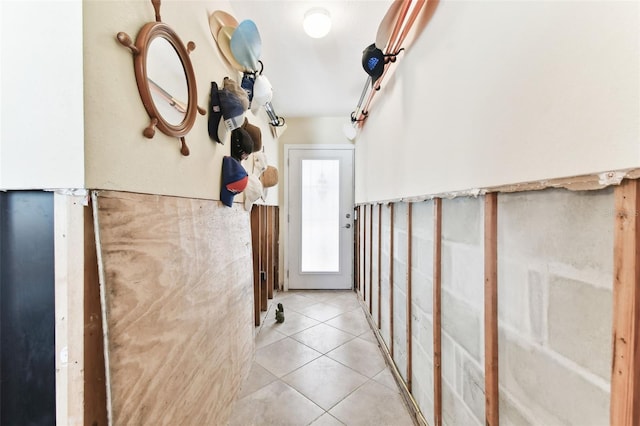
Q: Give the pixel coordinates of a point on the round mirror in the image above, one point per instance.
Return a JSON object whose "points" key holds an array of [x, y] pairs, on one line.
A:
{"points": [[165, 79]]}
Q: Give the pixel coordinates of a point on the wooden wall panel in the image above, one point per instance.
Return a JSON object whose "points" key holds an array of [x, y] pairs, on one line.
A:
{"points": [[69, 309], [269, 241], [255, 245], [95, 386], [264, 259], [177, 305], [276, 248]]}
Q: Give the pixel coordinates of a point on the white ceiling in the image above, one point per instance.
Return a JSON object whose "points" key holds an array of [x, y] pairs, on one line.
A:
{"points": [[314, 77]]}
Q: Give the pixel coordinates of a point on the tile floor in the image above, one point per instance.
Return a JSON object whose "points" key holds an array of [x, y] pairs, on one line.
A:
{"points": [[321, 366]]}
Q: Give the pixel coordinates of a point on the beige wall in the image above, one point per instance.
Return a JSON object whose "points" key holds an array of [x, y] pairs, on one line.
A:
{"points": [[494, 93], [118, 156]]}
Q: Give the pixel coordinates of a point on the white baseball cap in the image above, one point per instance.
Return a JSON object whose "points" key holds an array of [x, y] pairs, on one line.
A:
{"points": [[262, 93], [253, 192]]}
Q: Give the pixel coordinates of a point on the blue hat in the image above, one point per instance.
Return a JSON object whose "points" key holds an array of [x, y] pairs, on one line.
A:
{"points": [[234, 180], [224, 104]]}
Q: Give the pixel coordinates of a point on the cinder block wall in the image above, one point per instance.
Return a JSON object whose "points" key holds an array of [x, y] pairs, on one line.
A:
{"points": [[462, 311], [555, 272]]}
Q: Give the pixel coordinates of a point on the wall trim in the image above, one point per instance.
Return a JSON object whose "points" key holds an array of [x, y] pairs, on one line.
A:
{"points": [[589, 182]]}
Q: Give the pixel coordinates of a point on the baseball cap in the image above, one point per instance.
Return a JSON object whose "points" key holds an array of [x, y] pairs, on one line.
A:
{"points": [[234, 180], [241, 144], [255, 133], [262, 93], [224, 105], [252, 192], [373, 62]]}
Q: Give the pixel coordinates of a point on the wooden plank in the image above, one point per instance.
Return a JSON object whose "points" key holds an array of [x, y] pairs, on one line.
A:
{"points": [[176, 298], [625, 371], [264, 259], [364, 257], [409, 296], [370, 258], [276, 260], [491, 309], [269, 241], [255, 244], [69, 308], [357, 249], [379, 266], [437, 311], [95, 392], [391, 225]]}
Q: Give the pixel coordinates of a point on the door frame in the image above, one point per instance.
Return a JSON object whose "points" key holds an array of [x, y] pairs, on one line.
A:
{"points": [[285, 218]]}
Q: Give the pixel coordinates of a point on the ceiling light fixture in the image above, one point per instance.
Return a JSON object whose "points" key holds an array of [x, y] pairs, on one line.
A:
{"points": [[317, 22]]}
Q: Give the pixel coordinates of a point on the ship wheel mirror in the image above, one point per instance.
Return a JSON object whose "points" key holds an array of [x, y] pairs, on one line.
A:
{"points": [[165, 79]]}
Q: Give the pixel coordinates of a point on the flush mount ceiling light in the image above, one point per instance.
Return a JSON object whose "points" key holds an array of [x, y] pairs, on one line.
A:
{"points": [[317, 22]]}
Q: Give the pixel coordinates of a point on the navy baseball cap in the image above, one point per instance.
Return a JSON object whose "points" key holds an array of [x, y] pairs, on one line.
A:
{"points": [[224, 104], [373, 62], [234, 180]]}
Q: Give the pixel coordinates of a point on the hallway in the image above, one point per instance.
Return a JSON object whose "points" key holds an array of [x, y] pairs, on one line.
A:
{"points": [[321, 366]]}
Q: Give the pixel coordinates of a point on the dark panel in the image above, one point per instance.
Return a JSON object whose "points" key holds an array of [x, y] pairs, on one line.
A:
{"points": [[27, 318]]}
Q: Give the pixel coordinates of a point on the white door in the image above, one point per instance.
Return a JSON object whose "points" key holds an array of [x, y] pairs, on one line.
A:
{"points": [[319, 250]]}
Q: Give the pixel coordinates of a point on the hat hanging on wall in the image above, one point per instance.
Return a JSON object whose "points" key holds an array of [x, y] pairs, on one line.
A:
{"points": [[373, 62], [241, 144], [259, 163], [227, 105], [253, 192], [238, 91], [234, 180], [269, 177], [262, 93], [246, 45], [224, 40], [255, 133], [219, 19]]}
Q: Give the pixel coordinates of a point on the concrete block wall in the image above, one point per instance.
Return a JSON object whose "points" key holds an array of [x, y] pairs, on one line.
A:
{"points": [[385, 246], [462, 311], [555, 272], [400, 287], [422, 307], [555, 269]]}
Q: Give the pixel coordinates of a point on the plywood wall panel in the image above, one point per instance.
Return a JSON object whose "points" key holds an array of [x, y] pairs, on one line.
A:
{"points": [[177, 297]]}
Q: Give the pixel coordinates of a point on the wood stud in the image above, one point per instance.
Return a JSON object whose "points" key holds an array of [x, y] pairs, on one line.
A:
{"points": [[625, 371], [357, 248], [379, 266], [391, 220], [437, 311], [491, 309], [409, 296], [370, 257]]}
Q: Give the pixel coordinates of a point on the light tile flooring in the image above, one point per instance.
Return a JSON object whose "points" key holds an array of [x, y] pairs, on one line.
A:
{"points": [[321, 366]]}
